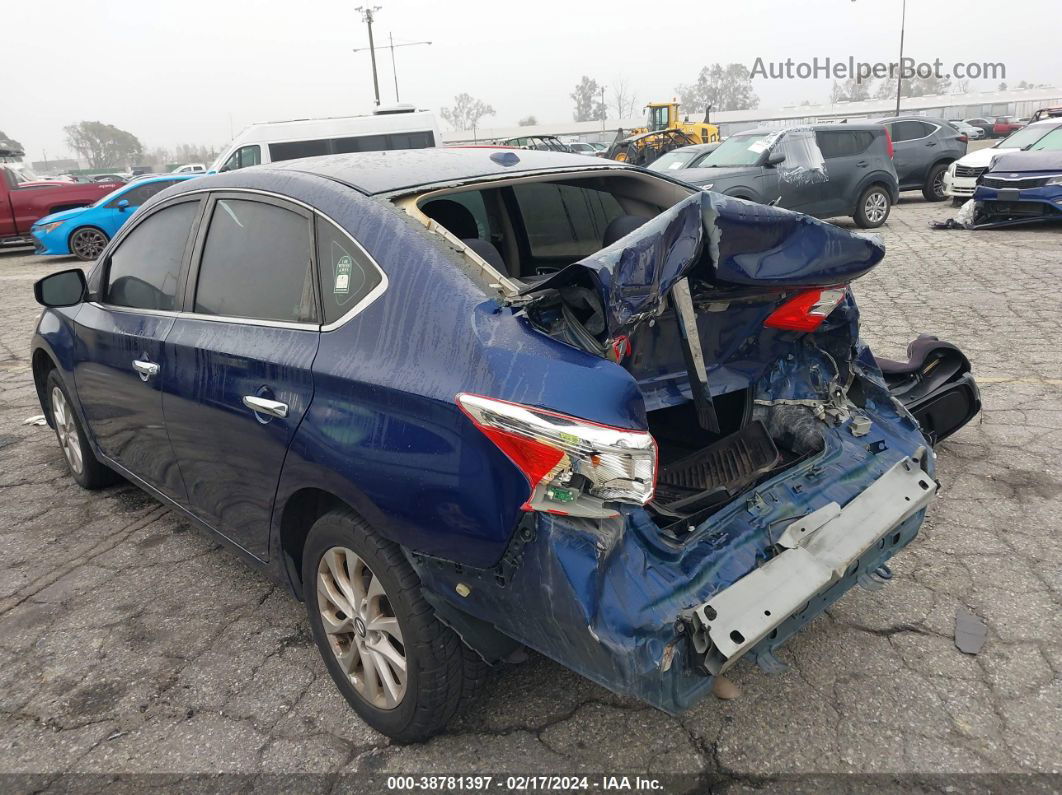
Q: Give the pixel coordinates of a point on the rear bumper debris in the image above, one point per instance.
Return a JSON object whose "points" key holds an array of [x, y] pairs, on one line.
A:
{"points": [[816, 551]]}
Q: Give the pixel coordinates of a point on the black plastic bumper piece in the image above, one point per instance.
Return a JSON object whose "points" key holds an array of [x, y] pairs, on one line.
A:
{"points": [[717, 472]]}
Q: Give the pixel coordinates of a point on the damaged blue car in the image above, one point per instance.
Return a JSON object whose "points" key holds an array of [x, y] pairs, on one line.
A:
{"points": [[463, 401]]}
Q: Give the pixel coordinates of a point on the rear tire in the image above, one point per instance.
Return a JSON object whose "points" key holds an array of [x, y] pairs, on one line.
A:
{"points": [[80, 460], [873, 208], [397, 665], [933, 190]]}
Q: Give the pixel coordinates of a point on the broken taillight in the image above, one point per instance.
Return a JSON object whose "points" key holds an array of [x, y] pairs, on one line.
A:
{"points": [[806, 310], [573, 466]]}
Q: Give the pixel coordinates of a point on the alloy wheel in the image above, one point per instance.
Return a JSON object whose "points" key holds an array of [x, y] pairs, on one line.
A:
{"points": [[66, 430], [876, 207], [88, 243], [938, 185], [362, 629]]}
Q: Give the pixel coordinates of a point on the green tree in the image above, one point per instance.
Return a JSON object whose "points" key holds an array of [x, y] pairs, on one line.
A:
{"points": [[103, 145], [466, 112], [723, 87], [914, 87], [850, 90], [587, 97]]}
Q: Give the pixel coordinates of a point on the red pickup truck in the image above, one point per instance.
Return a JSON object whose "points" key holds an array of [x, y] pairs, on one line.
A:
{"points": [[21, 205]]}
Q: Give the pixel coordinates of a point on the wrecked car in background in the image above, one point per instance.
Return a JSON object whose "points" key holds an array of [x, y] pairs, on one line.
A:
{"points": [[1020, 188], [826, 170], [480, 399]]}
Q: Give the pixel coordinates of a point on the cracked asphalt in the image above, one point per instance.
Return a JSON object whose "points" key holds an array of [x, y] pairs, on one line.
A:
{"points": [[130, 643]]}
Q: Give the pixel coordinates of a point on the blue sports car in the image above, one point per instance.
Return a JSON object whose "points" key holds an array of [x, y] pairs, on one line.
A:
{"points": [[84, 231], [464, 400]]}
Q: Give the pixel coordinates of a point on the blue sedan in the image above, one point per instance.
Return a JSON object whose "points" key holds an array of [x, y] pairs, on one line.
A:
{"points": [[460, 401], [84, 231]]}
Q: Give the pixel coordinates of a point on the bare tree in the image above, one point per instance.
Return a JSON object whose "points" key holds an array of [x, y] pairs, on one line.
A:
{"points": [[466, 112], [528, 121], [624, 99]]}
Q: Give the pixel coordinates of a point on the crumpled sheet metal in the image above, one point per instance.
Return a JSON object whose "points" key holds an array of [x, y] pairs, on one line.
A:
{"points": [[608, 600], [722, 240]]}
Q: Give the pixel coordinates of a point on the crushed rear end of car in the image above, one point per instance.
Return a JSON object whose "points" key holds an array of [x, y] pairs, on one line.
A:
{"points": [[784, 470]]}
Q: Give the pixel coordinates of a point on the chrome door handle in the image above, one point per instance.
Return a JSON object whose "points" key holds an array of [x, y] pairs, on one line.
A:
{"points": [[145, 369], [261, 405]]}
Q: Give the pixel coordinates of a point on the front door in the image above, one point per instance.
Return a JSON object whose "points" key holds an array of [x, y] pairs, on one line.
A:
{"points": [[243, 356], [121, 367]]}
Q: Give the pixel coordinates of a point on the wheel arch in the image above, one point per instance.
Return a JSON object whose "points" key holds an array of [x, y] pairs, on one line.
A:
{"points": [[43, 363], [297, 515], [871, 180]]}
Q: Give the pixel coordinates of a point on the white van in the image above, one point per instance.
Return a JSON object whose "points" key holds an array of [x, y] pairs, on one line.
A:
{"points": [[394, 127]]}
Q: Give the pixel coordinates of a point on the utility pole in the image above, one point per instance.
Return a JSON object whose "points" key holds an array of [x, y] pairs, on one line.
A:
{"points": [[603, 106], [899, 77], [367, 18]]}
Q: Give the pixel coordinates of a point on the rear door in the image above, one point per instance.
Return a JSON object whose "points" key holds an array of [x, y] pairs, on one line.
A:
{"points": [[243, 356], [914, 150], [121, 368], [848, 158]]}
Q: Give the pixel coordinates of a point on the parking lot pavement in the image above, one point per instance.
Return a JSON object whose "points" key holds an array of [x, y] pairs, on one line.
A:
{"points": [[131, 643]]}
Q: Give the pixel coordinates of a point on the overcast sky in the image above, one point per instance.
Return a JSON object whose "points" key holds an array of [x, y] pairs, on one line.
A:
{"points": [[191, 71]]}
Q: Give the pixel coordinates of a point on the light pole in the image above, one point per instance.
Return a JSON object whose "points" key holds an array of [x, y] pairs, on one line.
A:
{"points": [[899, 76], [366, 15], [392, 46]]}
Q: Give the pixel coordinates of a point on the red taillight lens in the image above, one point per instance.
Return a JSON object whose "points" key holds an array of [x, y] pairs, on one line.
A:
{"points": [[964, 139], [888, 144], [573, 466], [805, 311]]}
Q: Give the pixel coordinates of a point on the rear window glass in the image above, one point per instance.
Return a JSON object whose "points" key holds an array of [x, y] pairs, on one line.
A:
{"points": [[347, 275], [564, 220], [843, 143]]}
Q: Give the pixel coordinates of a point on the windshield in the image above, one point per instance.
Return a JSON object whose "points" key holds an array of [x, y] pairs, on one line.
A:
{"points": [[671, 160], [110, 196], [1025, 137], [738, 150], [1051, 141], [23, 173]]}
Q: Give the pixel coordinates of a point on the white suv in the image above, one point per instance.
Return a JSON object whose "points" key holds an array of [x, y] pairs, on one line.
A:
{"points": [[960, 179]]}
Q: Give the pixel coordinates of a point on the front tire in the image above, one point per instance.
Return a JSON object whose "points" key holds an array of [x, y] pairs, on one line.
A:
{"points": [[88, 243], [80, 460], [873, 208], [397, 665], [933, 190]]}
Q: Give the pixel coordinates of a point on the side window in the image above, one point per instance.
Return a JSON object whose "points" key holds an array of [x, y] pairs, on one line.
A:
{"points": [[243, 157], [843, 143], [908, 131], [141, 193], [144, 268], [291, 150], [564, 220], [347, 275], [256, 264]]}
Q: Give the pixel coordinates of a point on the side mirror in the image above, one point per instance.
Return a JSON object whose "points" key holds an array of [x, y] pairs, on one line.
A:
{"points": [[122, 205], [65, 288], [774, 158]]}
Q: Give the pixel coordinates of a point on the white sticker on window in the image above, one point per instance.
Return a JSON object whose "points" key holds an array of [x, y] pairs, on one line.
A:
{"points": [[343, 270]]}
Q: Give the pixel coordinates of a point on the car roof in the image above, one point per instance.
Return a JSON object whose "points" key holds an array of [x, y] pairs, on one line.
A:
{"points": [[872, 126], [400, 169]]}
